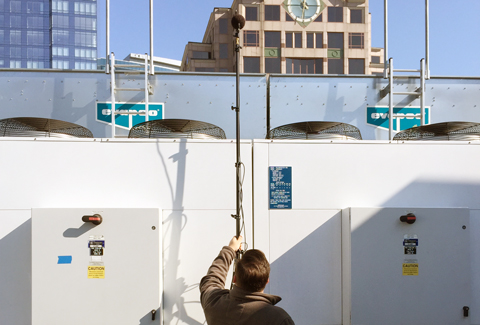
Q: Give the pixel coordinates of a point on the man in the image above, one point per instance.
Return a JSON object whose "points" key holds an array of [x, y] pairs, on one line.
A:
{"points": [[245, 303]]}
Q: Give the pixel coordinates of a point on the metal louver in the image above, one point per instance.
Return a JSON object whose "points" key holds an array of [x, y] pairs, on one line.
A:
{"points": [[316, 131], [446, 131], [41, 127], [176, 128]]}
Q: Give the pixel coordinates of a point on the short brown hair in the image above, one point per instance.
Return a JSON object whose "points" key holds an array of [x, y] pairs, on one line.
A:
{"points": [[252, 271]]}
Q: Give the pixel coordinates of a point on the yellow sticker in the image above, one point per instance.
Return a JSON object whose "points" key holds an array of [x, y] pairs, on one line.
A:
{"points": [[410, 268], [96, 272]]}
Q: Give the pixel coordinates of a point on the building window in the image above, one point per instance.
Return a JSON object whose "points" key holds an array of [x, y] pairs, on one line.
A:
{"points": [[34, 7], [273, 65], [15, 52], [85, 39], [85, 53], [2, 19], [375, 59], [356, 16], [35, 65], [290, 37], [2, 36], [60, 21], [82, 8], [60, 6], [250, 38], [34, 37], [304, 66], [335, 40], [85, 23], [251, 13], [310, 38], [223, 26], [272, 39], [319, 40], [15, 64], [272, 13], [335, 14], [356, 66], [60, 37], [223, 51], [355, 40], [319, 19], [251, 64], [298, 40], [15, 6], [15, 37], [201, 55], [335, 66], [60, 64], [204, 69], [34, 22], [15, 21], [60, 51], [287, 17]]}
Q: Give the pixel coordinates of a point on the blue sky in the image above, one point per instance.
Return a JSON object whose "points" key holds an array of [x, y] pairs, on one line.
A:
{"points": [[454, 30]]}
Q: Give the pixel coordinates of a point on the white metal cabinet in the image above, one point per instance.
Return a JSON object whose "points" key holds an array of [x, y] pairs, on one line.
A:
{"points": [[66, 291], [391, 287]]}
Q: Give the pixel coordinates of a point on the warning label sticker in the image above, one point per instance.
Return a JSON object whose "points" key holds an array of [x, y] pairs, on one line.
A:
{"points": [[410, 268], [96, 272]]}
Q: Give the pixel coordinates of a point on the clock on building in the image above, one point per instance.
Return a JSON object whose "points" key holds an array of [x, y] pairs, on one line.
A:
{"points": [[304, 11]]}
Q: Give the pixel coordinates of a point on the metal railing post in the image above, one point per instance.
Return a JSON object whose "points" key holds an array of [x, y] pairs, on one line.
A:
{"points": [[146, 88], [422, 94], [107, 56], [390, 99], [151, 38], [385, 38], [112, 92], [427, 40]]}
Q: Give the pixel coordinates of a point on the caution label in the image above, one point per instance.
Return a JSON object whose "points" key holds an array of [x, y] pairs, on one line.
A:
{"points": [[96, 272], [410, 268]]}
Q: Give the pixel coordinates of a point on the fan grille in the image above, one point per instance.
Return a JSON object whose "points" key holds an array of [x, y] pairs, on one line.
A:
{"points": [[316, 131], [41, 127], [446, 131], [176, 128]]}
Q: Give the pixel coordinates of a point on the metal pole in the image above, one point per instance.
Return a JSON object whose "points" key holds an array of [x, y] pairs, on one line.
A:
{"points": [[427, 40], [237, 113], [390, 99], [107, 56], [151, 37], [146, 89], [385, 38], [112, 92], [422, 95]]}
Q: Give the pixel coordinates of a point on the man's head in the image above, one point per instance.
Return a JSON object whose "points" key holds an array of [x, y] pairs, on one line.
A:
{"points": [[252, 271]]}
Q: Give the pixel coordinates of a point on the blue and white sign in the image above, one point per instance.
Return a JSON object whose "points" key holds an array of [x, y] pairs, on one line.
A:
{"points": [[406, 117], [280, 187], [104, 113]]}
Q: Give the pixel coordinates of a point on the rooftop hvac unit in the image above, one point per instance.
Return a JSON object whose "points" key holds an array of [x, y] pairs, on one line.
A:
{"points": [[41, 127], [447, 131], [316, 131], [176, 128]]}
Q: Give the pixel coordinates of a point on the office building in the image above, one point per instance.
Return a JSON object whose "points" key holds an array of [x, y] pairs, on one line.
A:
{"points": [[48, 34], [289, 36]]}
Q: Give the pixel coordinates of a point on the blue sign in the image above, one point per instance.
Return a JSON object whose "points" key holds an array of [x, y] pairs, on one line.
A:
{"points": [[409, 117], [280, 187], [104, 113]]}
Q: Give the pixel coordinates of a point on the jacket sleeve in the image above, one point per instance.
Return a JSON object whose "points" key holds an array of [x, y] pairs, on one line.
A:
{"points": [[217, 273]]}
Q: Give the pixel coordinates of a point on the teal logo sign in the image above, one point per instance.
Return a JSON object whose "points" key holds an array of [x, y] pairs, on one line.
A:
{"points": [[405, 117], [104, 113]]}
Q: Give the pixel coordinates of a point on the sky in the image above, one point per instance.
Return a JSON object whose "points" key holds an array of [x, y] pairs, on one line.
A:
{"points": [[454, 30]]}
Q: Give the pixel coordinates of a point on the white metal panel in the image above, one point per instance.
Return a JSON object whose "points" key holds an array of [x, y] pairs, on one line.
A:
{"points": [[381, 294], [193, 238], [475, 267], [305, 258], [131, 287], [15, 270]]}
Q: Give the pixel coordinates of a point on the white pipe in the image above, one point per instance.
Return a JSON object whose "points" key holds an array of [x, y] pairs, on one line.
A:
{"points": [[112, 91], [390, 100], [107, 56], [427, 40], [146, 88], [422, 96], [151, 37], [385, 38]]}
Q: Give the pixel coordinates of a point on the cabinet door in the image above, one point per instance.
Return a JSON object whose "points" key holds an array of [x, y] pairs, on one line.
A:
{"points": [[84, 273], [403, 273]]}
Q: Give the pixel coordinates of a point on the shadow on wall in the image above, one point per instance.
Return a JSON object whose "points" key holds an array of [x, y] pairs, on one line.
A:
{"points": [[308, 275], [16, 275], [174, 286]]}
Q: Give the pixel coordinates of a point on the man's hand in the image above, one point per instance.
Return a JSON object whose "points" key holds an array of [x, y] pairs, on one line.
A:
{"points": [[236, 243]]}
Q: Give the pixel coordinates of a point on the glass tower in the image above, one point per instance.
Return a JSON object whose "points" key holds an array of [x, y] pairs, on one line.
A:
{"points": [[48, 34]]}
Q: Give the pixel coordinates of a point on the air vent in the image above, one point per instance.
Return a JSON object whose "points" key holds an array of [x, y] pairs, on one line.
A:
{"points": [[41, 127], [316, 131], [447, 131], [176, 128]]}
